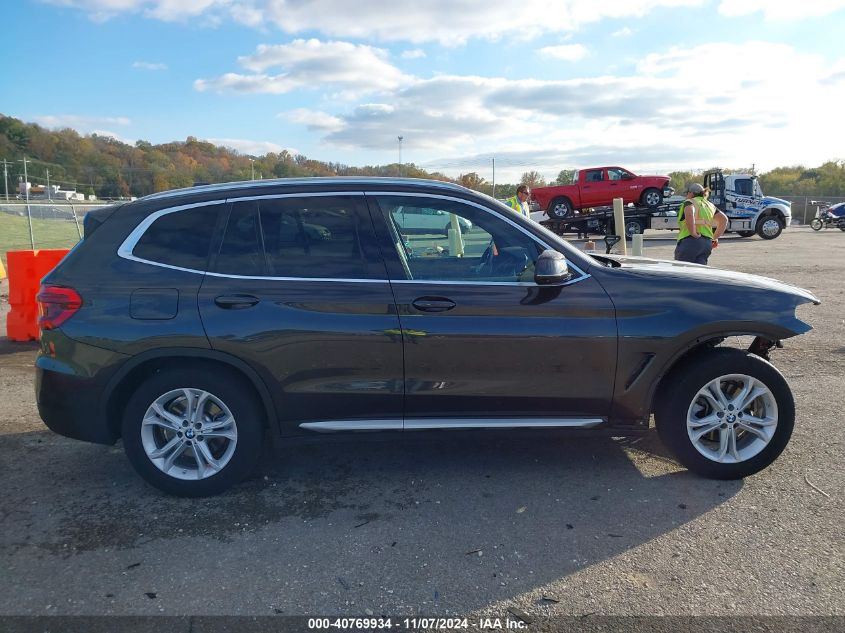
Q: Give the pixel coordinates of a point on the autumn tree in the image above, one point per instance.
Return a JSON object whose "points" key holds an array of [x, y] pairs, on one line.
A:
{"points": [[532, 179]]}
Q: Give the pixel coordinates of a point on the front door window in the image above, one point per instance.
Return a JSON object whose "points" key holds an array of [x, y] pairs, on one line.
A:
{"points": [[444, 240]]}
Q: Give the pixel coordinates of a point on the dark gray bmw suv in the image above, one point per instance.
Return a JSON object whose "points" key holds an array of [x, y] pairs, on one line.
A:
{"points": [[193, 323]]}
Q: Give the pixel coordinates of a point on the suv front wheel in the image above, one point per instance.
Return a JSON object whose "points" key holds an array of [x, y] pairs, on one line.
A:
{"points": [[726, 415], [191, 432]]}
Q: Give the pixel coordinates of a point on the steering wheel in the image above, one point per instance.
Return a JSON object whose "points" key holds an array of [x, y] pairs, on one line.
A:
{"points": [[509, 264], [505, 264]]}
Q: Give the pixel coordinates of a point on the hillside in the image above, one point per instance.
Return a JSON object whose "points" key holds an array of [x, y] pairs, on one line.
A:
{"points": [[109, 168]]}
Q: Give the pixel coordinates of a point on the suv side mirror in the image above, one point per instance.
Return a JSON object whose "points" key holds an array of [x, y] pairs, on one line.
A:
{"points": [[551, 268]]}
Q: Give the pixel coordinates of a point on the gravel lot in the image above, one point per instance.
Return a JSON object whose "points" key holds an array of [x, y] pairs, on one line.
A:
{"points": [[449, 523]]}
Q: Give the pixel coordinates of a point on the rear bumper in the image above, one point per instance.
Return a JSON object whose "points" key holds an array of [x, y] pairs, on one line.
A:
{"points": [[71, 381], [70, 406]]}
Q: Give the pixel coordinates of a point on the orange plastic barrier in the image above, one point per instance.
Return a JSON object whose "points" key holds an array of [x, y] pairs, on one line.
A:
{"points": [[26, 269]]}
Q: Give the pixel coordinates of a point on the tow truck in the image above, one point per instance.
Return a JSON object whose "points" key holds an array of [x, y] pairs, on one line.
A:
{"points": [[739, 196], [748, 210]]}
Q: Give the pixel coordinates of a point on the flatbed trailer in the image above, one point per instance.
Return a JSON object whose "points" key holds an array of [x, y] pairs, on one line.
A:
{"points": [[600, 220]]}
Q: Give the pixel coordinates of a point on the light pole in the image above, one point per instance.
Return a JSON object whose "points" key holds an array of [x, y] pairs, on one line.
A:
{"points": [[400, 155], [28, 211], [6, 177], [252, 165]]}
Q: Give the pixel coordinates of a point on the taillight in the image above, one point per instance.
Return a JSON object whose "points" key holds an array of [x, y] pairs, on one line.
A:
{"points": [[56, 304]]}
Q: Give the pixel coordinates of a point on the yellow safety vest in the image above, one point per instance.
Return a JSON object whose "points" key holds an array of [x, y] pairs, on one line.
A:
{"points": [[513, 203], [705, 212]]}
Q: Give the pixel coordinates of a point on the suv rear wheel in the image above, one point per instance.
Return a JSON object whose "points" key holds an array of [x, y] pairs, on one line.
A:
{"points": [[727, 415], [192, 432]]}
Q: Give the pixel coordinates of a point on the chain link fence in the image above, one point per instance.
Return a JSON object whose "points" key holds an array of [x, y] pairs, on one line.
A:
{"points": [[804, 208], [54, 224]]}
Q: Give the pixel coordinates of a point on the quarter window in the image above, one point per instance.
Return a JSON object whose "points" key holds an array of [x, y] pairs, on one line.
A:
{"points": [[180, 238], [442, 240]]}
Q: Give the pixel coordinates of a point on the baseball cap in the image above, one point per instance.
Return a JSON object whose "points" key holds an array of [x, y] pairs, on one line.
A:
{"points": [[694, 187]]}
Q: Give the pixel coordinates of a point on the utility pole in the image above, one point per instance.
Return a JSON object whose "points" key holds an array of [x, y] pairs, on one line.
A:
{"points": [[6, 177], [28, 211], [494, 176], [400, 155], [252, 164], [49, 195]]}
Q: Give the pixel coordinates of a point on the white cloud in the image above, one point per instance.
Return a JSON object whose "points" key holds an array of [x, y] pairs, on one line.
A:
{"points": [[355, 68], [781, 9], [643, 119], [623, 32], [314, 120], [250, 147], [416, 53], [445, 21], [149, 66], [566, 52], [84, 124]]}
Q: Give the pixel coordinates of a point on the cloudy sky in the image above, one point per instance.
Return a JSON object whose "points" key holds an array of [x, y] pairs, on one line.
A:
{"points": [[652, 85]]}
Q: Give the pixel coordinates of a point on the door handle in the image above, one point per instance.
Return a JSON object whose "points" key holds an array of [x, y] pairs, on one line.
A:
{"points": [[433, 304], [236, 302]]}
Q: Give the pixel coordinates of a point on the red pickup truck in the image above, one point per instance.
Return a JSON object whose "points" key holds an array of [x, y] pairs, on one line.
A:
{"points": [[597, 187]]}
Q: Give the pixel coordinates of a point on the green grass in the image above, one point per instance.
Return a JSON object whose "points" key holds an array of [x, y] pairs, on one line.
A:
{"points": [[14, 234]]}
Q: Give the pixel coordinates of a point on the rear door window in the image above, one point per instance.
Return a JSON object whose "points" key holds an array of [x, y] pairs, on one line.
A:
{"points": [[326, 237]]}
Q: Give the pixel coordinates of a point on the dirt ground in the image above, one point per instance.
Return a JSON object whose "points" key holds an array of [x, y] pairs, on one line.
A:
{"points": [[449, 524]]}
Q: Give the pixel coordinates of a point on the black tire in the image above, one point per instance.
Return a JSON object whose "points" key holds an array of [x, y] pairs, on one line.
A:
{"points": [[841, 225], [816, 224], [652, 197], [248, 421], [633, 227], [769, 227], [746, 233], [678, 396], [559, 209]]}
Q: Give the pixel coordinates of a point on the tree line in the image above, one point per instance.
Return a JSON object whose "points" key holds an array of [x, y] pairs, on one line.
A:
{"points": [[108, 168]]}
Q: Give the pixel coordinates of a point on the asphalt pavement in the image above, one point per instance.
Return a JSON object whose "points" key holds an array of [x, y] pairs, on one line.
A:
{"points": [[449, 523]]}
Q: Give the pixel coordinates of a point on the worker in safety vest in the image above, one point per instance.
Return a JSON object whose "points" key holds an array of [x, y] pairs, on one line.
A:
{"points": [[519, 202], [701, 225]]}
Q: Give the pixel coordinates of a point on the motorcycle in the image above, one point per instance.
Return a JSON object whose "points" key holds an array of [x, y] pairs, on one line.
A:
{"points": [[829, 217]]}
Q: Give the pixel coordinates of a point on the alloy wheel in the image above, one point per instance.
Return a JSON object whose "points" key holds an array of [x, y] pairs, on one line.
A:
{"points": [[189, 434], [732, 418]]}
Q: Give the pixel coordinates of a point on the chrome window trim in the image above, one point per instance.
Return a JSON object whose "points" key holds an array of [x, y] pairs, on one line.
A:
{"points": [[582, 275], [337, 279], [125, 250], [131, 241]]}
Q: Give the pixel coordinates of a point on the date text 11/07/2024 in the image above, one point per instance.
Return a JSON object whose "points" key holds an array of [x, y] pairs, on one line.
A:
{"points": [[414, 624]]}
